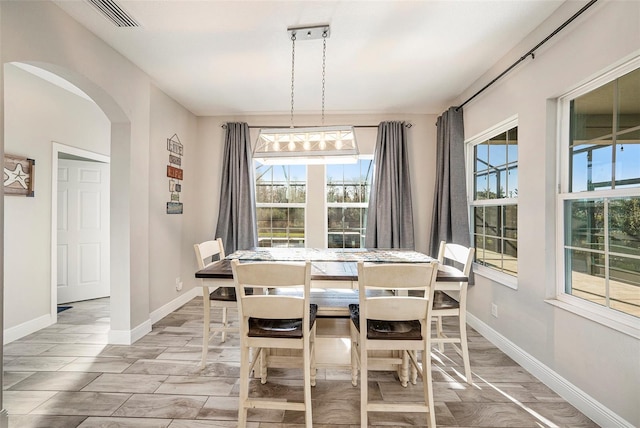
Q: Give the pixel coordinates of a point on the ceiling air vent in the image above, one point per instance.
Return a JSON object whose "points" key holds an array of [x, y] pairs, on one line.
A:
{"points": [[114, 13]]}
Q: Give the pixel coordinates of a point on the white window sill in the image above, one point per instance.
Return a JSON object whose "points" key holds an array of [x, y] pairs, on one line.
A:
{"points": [[494, 275], [623, 323]]}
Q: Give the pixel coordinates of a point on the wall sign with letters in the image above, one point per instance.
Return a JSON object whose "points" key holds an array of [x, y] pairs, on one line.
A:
{"points": [[175, 174]]}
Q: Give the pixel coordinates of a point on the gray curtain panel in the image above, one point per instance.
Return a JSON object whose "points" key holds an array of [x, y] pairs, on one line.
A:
{"points": [[390, 213], [237, 214], [450, 212]]}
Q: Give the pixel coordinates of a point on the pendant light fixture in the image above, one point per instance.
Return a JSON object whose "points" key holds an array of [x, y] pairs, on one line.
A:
{"points": [[309, 145]]}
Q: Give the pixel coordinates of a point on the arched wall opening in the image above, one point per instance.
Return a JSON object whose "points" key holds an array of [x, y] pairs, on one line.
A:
{"points": [[119, 151]]}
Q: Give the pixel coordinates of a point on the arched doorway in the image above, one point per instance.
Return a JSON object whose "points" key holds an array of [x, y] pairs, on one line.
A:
{"points": [[119, 139]]}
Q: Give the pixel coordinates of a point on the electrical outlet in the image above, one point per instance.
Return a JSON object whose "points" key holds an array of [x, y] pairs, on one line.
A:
{"points": [[494, 310], [178, 284]]}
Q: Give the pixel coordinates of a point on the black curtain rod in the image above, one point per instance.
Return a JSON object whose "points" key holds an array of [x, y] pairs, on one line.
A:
{"points": [[530, 53], [408, 125]]}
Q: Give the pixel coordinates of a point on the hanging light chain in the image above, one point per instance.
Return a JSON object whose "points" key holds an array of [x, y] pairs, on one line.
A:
{"points": [[325, 34], [293, 65], [324, 67]]}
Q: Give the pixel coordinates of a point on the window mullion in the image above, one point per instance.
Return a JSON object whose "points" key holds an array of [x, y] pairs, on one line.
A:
{"points": [[607, 294], [614, 136]]}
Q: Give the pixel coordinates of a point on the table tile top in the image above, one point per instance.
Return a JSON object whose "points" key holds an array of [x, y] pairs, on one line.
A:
{"points": [[331, 255]]}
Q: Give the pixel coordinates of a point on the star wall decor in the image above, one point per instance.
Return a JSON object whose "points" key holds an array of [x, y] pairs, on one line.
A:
{"points": [[18, 175]]}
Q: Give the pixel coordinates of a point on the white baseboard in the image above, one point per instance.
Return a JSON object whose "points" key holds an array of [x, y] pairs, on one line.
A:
{"points": [[116, 337], [170, 307], [125, 337], [129, 337], [26, 328], [572, 394]]}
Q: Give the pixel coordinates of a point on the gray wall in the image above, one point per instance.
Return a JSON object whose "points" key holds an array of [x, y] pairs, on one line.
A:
{"points": [[600, 361], [171, 236]]}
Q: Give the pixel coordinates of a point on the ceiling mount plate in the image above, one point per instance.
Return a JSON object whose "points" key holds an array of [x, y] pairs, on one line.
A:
{"points": [[309, 32]]}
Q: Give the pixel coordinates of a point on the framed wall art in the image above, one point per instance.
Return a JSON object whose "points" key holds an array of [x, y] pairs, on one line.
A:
{"points": [[19, 175], [174, 207], [175, 174]]}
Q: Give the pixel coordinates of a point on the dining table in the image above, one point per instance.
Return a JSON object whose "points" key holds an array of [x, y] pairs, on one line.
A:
{"points": [[334, 284], [331, 269], [336, 266]]}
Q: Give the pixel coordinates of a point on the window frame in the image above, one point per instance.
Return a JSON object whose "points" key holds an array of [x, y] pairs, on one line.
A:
{"points": [[495, 275], [315, 206], [272, 205], [343, 205], [625, 323]]}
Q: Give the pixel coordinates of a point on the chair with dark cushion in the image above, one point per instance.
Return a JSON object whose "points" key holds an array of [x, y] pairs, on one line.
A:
{"points": [[272, 321], [444, 305], [393, 322], [224, 298]]}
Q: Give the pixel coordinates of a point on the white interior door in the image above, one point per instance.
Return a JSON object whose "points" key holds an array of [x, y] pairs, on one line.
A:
{"points": [[83, 230]]}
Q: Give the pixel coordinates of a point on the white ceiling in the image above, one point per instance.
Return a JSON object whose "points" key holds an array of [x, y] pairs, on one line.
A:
{"points": [[388, 56]]}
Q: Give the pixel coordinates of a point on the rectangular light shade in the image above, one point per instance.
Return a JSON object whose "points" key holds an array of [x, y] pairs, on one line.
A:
{"points": [[315, 145]]}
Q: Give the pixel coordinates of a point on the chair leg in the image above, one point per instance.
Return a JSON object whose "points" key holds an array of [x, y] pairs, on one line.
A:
{"points": [[465, 348], [354, 357], [206, 303], [364, 386], [263, 365], [414, 371], [404, 368], [428, 385], [408, 372], [313, 356], [225, 323], [439, 333], [245, 363], [307, 387]]}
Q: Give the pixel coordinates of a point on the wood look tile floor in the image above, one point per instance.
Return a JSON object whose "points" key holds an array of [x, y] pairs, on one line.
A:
{"points": [[67, 376]]}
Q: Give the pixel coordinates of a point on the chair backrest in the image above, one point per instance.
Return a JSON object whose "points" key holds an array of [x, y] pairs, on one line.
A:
{"points": [[457, 253], [402, 277], [267, 275], [208, 249]]}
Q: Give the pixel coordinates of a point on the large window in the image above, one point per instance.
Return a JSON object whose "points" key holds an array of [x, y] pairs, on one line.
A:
{"points": [[494, 209], [348, 188], [313, 205], [600, 192], [281, 192]]}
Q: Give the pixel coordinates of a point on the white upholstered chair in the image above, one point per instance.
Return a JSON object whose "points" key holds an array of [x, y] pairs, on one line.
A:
{"points": [[444, 305], [274, 321], [391, 322], [222, 297]]}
